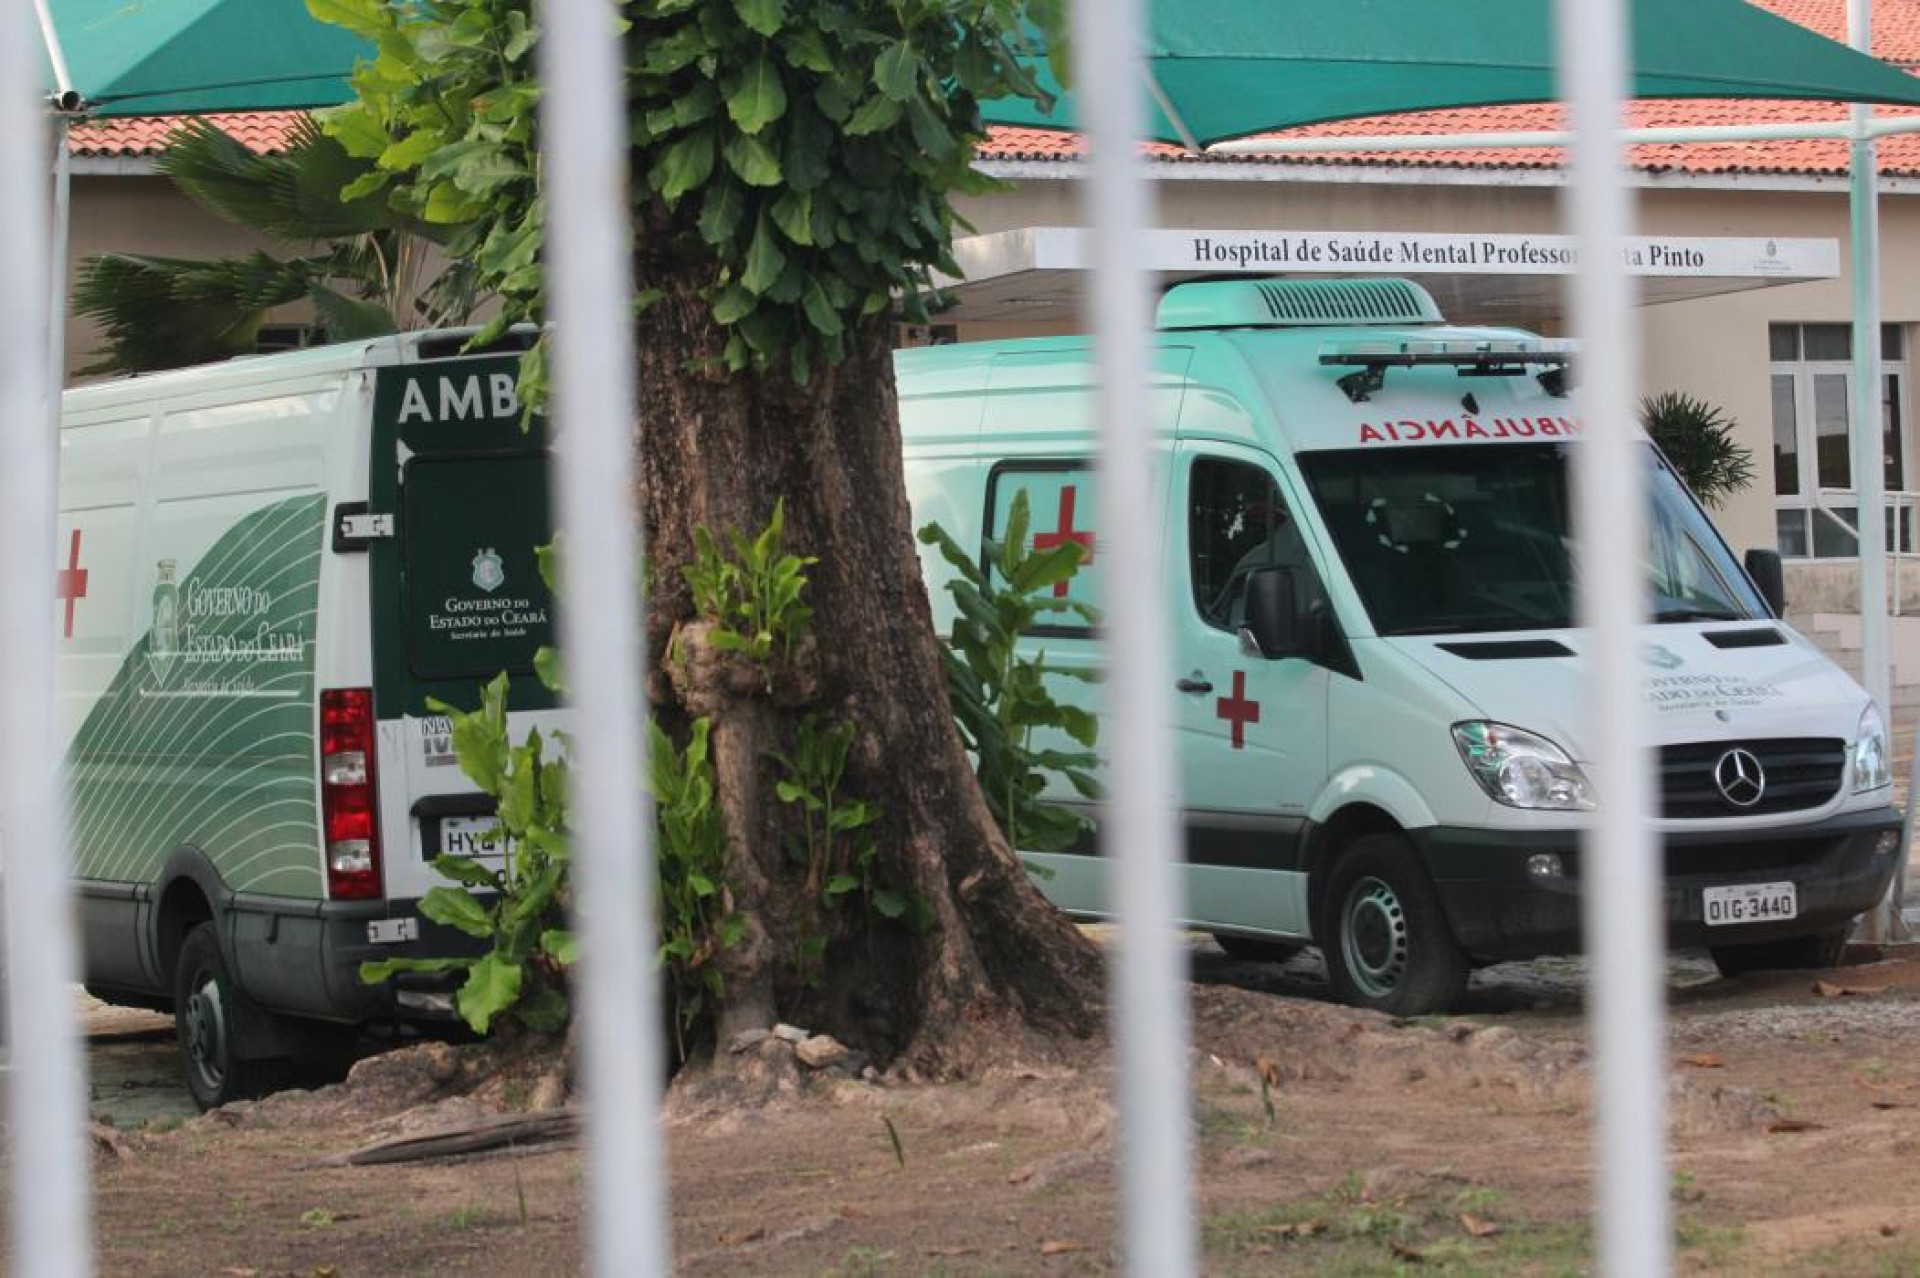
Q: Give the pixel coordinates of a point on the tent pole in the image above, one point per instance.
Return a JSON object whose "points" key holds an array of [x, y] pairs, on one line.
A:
{"points": [[1885, 923], [57, 258]]}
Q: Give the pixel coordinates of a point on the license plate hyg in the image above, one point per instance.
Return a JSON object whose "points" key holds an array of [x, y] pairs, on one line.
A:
{"points": [[470, 836], [1750, 903]]}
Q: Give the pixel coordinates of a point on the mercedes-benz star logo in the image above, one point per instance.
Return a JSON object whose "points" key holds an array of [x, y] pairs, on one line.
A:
{"points": [[1740, 777]]}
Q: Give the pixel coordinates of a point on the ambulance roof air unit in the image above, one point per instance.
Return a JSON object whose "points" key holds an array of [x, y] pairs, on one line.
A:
{"points": [[1296, 303]]}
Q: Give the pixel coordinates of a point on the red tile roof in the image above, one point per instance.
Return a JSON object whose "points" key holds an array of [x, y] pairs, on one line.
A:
{"points": [[1896, 25], [147, 135]]}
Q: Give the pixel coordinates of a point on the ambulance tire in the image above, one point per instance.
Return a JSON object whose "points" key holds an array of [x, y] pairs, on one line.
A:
{"points": [[1384, 934], [1799, 953], [206, 1017], [1248, 949]]}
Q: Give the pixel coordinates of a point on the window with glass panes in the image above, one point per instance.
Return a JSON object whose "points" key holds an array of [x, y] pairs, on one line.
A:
{"points": [[1812, 376]]}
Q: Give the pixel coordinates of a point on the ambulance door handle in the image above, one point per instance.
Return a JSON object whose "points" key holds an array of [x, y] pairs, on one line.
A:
{"points": [[1195, 682]]}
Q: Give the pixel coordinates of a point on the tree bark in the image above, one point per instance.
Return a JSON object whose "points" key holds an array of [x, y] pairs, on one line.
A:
{"points": [[1002, 975]]}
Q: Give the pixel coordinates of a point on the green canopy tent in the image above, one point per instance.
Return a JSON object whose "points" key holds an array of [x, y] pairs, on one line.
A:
{"points": [[1223, 69], [105, 58]]}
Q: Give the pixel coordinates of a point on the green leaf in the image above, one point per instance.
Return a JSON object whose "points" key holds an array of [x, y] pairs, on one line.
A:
{"points": [[456, 909], [466, 870], [793, 214], [684, 166], [758, 97], [888, 903], [720, 212], [896, 72], [493, 985], [841, 884], [875, 114], [765, 260], [373, 973], [763, 17], [560, 945], [753, 161]]}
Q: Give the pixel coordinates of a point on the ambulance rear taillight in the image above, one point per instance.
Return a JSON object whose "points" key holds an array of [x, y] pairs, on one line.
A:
{"points": [[347, 794]]}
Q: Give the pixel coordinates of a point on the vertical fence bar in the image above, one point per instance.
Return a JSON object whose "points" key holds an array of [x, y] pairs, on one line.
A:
{"points": [[617, 995], [1620, 898], [1885, 922], [46, 1093], [1141, 833]]}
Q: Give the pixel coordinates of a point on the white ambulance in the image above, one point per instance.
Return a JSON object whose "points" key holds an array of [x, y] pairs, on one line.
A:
{"points": [[1377, 681], [269, 566]]}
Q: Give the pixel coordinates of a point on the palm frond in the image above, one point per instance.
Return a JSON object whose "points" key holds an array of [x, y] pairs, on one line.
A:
{"points": [[294, 195], [160, 312]]}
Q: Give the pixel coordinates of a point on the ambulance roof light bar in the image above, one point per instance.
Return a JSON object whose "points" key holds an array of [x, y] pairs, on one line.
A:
{"points": [[1477, 357]]}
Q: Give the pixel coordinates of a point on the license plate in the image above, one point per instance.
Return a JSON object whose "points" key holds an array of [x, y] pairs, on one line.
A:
{"points": [[470, 836], [1750, 903]]}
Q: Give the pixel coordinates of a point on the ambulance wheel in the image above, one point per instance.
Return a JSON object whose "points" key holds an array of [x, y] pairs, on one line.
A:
{"points": [[1249, 950], [1799, 953], [204, 1017], [1385, 937]]}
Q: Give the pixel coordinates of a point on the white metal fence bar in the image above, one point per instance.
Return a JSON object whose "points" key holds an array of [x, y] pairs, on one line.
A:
{"points": [[1869, 477], [1620, 896], [1673, 135], [617, 996], [46, 1092], [1140, 831]]}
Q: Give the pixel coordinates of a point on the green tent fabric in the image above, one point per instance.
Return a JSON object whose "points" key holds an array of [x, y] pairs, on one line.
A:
{"points": [[1229, 68], [171, 57]]}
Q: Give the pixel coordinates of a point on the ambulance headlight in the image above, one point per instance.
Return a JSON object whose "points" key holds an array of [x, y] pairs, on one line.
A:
{"points": [[1522, 770], [1872, 765]]}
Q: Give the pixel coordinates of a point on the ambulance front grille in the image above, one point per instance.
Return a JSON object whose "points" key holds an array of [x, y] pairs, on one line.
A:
{"points": [[1800, 773]]}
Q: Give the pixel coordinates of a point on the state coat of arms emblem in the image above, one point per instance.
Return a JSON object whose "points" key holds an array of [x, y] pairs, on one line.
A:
{"points": [[487, 572]]}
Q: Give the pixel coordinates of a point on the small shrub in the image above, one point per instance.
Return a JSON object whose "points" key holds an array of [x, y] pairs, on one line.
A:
{"points": [[1697, 439]]}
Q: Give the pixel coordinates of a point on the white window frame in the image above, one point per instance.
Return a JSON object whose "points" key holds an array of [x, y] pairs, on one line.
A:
{"points": [[1808, 501]]}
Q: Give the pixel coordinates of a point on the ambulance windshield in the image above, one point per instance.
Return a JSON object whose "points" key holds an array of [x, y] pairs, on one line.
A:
{"points": [[1473, 538]]}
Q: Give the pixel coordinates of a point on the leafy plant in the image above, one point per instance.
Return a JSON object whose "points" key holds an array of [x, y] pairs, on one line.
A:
{"points": [[517, 907], [1001, 700], [837, 840], [696, 910], [370, 270], [804, 154], [754, 595], [1698, 440]]}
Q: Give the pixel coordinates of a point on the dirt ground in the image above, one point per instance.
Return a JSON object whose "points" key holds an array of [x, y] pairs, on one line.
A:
{"points": [[1329, 1141]]}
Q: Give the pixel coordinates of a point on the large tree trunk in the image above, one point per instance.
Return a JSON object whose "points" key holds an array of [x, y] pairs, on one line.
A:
{"points": [[1002, 974]]}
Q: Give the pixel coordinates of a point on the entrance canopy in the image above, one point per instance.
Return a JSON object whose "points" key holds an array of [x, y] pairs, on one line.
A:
{"points": [[176, 57], [1036, 274], [1221, 69]]}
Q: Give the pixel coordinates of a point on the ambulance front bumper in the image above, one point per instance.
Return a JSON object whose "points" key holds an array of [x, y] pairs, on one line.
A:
{"points": [[1516, 894]]}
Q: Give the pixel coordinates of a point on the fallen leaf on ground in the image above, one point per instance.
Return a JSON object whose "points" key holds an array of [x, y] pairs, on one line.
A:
{"points": [[741, 1240], [1783, 1125], [1703, 1060], [1477, 1227], [1269, 1070], [953, 1251], [1059, 1247], [850, 1212], [1888, 1231], [1403, 1252], [1879, 1104], [1826, 989]]}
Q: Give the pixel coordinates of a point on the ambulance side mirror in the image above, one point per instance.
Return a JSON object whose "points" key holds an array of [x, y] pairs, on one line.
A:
{"points": [[1272, 616], [1769, 578]]}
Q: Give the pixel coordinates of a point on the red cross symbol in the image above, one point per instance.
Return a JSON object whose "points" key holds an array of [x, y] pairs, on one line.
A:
{"points": [[1237, 710], [70, 583], [1063, 533]]}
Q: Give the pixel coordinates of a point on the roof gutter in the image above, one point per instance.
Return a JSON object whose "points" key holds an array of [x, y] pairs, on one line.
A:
{"points": [[65, 99], [1839, 130]]}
